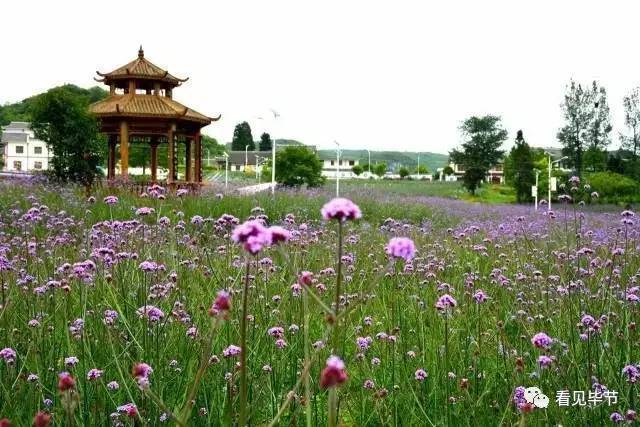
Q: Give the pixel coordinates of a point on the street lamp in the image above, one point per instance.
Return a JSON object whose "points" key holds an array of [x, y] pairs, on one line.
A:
{"points": [[551, 163], [226, 169], [338, 168], [246, 157], [418, 167]]}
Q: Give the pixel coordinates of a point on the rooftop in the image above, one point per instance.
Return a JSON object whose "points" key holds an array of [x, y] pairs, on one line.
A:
{"points": [[141, 68], [139, 105]]}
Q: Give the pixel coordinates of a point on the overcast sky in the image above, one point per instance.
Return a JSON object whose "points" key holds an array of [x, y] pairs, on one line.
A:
{"points": [[397, 75]]}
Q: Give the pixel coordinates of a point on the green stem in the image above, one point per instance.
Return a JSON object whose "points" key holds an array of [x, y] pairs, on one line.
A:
{"points": [[243, 351]]}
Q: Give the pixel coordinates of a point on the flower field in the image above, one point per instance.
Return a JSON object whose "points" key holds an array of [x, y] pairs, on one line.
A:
{"points": [[376, 309]]}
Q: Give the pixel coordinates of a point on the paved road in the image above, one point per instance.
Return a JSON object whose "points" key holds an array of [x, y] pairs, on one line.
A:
{"points": [[253, 189]]}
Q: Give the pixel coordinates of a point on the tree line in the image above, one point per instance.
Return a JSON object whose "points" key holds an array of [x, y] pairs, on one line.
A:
{"points": [[586, 137]]}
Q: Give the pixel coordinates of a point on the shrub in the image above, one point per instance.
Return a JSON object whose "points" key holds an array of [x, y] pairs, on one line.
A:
{"points": [[613, 187]]}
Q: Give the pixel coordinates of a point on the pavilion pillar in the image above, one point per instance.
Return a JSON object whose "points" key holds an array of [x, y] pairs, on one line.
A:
{"points": [[124, 150], [154, 159], [198, 158], [171, 151], [111, 159], [188, 160]]}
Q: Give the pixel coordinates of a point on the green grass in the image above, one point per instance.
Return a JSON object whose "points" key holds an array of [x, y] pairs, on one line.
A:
{"points": [[487, 345]]}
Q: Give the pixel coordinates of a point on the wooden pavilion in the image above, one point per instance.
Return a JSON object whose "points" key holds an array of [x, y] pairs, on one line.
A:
{"points": [[140, 108]]}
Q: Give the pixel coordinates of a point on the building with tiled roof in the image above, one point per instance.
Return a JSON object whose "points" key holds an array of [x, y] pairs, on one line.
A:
{"points": [[140, 109]]}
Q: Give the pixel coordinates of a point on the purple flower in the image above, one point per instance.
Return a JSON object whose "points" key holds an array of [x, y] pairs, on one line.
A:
{"points": [[151, 312], [94, 374], [9, 355], [341, 209], [445, 302], [111, 200], [232, 350], [480, 297], [632, 373], [421, 375], [401, 247], [541, 340], [144, 211], [544, 361]]}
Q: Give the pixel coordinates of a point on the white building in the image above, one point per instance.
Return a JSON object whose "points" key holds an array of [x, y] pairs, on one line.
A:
{"points": [[330, 167], [22, 152]]}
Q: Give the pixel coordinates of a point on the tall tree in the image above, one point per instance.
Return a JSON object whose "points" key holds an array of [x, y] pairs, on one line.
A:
{"points": [[265, 142], [242, 137], [631, 140], [595, 158], [519, 169], [61, 118], [481, 150], [579, 114]]}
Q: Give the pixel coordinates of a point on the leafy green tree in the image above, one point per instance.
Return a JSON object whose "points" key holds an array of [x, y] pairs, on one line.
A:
{"points": [[423, 170], [298, 165], [630, 141], [448, 170], [519, 169], [242, 137], [61, 118], [481, 150], [403, 172], [380, 169], [585, 122], [357, 170], [265, 142]]}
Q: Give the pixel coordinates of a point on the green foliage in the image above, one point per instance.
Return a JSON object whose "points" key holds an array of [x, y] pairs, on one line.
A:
{"points": [[265, 142], [61, 118], [357, 170], [242, 138], [380, 169], [297, 165], [422, 170], [211, 145], [613, 187], [631, 140], [587, 124], [481, 150], [519, 170], [448, 170], [595, 159], [22, 111], [403, 172]]}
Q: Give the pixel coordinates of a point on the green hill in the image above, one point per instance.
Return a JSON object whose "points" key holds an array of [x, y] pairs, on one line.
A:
{"points": [[394, 159], [21, 111]]}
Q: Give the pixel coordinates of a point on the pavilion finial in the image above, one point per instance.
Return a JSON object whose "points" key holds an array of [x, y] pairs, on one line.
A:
{"points": [[140, 52]]}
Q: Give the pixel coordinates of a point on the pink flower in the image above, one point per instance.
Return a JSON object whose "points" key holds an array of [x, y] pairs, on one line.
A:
{"points": [[252, 235], [279, 234], [334, 373], [401, 247], [222, 302], [341, 209], [305, 278]]}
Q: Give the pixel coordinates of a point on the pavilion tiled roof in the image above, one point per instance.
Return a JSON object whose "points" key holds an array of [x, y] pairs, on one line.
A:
{"points": [[138, 105], [141, 68]]}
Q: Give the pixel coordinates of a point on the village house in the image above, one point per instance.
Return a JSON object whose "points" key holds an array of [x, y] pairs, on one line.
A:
{"points": [[21, 150]]}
